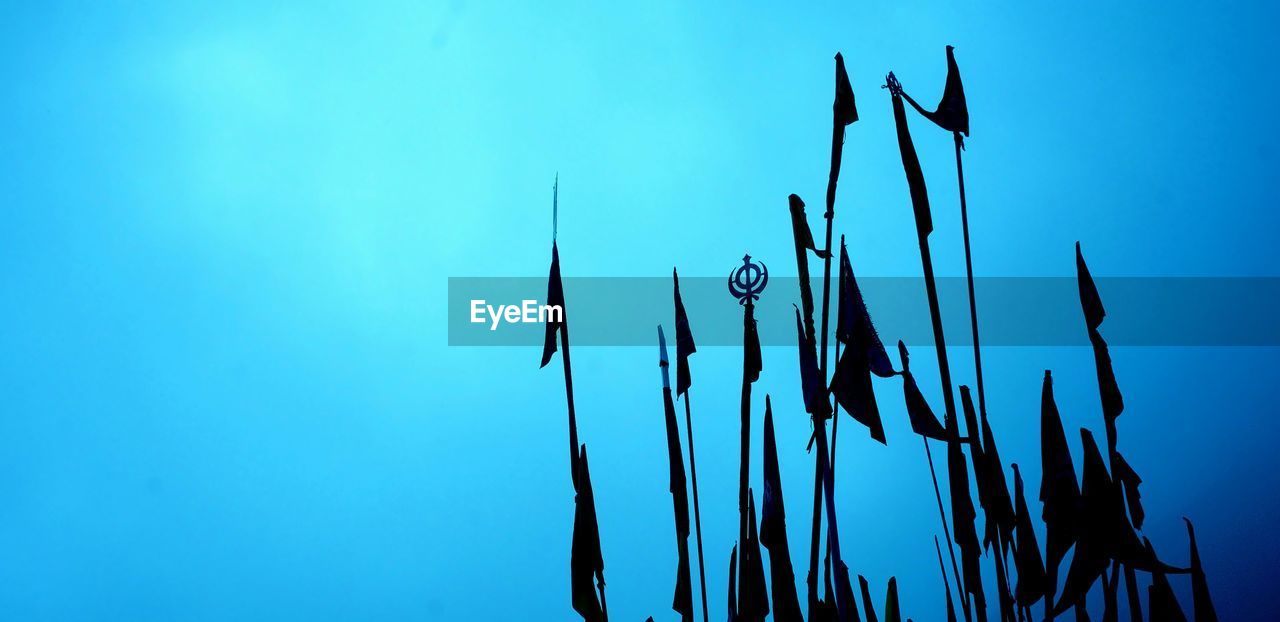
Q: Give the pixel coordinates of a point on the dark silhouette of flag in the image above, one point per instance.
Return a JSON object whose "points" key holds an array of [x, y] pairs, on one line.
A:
{"points": [[815, 398], [555, 297], [682, 602], [992, 479], [753, 595], [923, 421], [867, 605], [684, 342], [952, 113], [773, 530], [1059, 491], [962, 518], [1026, 553], [911, 163], [891, 610], [586, 561], [560, 326], [1105, 531], [1108, 388], [863, 355], [1202, 603]]}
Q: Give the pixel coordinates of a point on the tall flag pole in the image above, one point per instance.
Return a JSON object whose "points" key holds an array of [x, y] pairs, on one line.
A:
{"points": [[1059, 491], [815, 399], [993, 493], [804, 243], [925, 423], [555, 297], [685, 347], [746, 283], [962, 519], [773, 530], [952, 115], [844, 113], [924, 226], [682, 602]]}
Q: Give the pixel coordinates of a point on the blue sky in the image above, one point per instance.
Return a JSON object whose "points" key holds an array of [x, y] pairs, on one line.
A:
{"points": [[224, 378]]}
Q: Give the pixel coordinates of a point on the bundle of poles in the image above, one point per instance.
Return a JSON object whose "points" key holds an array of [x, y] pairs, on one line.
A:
{"points": [[1097, 516]]}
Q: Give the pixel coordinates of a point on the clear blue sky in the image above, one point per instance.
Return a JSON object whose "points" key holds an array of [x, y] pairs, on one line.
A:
{"points": [[225, 390]]}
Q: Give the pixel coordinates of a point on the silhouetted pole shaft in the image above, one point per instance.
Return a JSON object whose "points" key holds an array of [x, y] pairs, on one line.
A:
{"points": [[946, 531], [697, 514], [568, 392], [816, 536], [745, 459], [968, 266]]}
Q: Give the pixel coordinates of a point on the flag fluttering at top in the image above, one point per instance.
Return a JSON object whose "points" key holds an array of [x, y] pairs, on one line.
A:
{"points": [[684, 341], [952, 113]]}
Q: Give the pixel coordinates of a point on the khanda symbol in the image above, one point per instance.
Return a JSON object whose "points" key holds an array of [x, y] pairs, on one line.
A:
{"points": [[748, 280]]}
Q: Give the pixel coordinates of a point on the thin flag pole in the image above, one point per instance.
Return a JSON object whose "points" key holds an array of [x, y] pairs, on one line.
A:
{"points": [[946, 531], [697, 514], [924, 226]]}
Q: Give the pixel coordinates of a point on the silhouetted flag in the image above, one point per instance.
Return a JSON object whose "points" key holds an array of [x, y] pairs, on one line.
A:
{"points": [[854, 327], [962, 517], [1059, 491], [846, 112], [952, 113], [1026, 553], [804, 243], [1202, 602], [1108, 388], [815, 398], [1105, 532], [1161, 602], [923, 421], [992, 480], [863, 354], [586, 561], [684, 342], [753, 599], [773, 530], [891, 610], [555, 297], [911, 164], [682, 602], [867, 606], [733, 581]]}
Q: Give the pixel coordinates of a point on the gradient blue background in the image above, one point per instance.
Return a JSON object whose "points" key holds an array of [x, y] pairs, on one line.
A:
{"points": [[224, 386]]}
